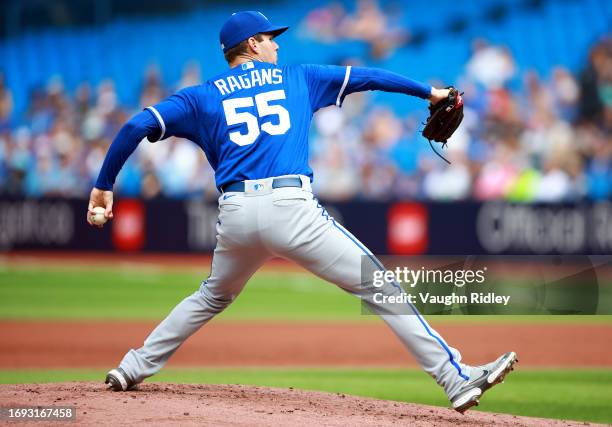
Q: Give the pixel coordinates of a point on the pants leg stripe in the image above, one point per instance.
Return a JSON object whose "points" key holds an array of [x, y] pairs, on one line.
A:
{"points": [[382, 268]]}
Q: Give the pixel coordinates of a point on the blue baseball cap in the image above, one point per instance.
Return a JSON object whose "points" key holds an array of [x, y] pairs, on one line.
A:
{"points": [[242, 25]]}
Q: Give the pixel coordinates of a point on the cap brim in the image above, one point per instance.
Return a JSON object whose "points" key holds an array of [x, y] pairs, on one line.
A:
{"points": [[276, 30]]}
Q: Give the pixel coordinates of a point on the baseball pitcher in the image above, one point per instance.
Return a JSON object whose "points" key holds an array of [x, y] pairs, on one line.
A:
{"points": [[252, 122]]}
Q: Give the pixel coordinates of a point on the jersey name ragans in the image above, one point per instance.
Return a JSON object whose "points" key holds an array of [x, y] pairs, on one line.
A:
{"points": [[249, 80]]}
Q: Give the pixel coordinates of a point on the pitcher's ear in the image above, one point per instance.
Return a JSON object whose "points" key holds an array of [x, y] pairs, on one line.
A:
{"points": [[253, 44]]}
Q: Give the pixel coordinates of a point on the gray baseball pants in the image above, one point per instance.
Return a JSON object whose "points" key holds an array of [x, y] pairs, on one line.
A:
{"points": [[262, 223]]}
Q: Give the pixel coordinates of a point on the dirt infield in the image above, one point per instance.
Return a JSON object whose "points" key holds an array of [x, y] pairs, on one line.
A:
{"points": [[99, 344], [236, 405]]}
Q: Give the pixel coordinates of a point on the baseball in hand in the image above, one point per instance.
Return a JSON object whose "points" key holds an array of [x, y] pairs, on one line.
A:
{"points": [[98, 217]]}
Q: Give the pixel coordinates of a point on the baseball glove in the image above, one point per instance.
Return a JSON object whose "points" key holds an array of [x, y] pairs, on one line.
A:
{"points": [[444, 119]]}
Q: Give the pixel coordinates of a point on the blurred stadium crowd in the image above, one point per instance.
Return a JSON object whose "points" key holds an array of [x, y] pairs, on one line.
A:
{"points": [[538, 140]]}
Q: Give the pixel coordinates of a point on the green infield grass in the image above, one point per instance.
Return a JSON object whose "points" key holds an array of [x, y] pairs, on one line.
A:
{"points": [[149, 293], [583, 395]]}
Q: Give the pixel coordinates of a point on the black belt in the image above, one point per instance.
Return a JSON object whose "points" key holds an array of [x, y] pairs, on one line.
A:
{"points": [[290, 181]]}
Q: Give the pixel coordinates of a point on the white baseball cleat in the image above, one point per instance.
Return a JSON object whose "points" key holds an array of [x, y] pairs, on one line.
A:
{"points": [[118, 380], [493, 373]]}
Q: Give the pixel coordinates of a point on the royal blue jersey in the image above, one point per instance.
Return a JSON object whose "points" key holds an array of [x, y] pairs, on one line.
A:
{"points": [[253, 120]]}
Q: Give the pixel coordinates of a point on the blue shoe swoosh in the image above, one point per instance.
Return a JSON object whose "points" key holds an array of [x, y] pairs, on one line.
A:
{"points": [[227, 196]]}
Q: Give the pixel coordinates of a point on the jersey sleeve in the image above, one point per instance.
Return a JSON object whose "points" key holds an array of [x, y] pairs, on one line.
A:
{"points": [[177, 115], [129, 136], [362, 79], [326, 84]]}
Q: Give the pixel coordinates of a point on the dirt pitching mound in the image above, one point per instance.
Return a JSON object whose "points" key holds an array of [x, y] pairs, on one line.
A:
{"points": [[237, 405]]}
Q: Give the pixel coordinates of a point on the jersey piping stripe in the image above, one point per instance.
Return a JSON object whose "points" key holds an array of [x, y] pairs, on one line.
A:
{"points": [[414, 310], [346, 79], [160, 120]]}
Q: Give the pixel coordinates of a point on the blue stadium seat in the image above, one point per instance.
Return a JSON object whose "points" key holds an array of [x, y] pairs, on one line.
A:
{"points": [[560, 32]]}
